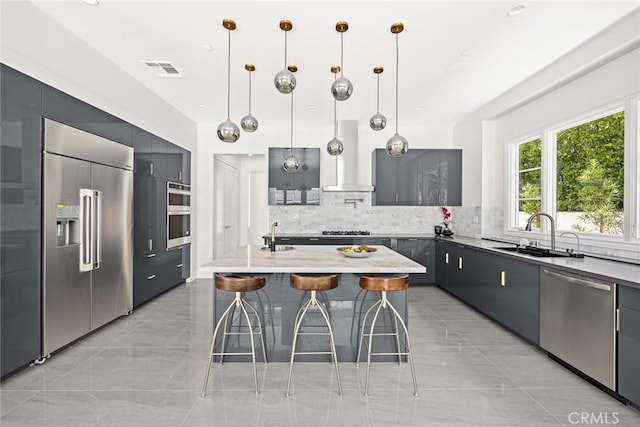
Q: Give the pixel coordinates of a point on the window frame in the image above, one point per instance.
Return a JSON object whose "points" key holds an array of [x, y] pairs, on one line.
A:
{"points": [[631, 230]]}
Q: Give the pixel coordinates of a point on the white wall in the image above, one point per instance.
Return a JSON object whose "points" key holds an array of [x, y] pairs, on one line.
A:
{"points": [[480, 156], [603, 70], [34, 44]]}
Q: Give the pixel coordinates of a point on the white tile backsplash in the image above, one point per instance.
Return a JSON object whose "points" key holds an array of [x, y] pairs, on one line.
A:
{"points": [[334, 214]]}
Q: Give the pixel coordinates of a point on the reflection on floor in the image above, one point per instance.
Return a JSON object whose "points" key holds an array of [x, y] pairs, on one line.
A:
{"points": [[148, 368]]}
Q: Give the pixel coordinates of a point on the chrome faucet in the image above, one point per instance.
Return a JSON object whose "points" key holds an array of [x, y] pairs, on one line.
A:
{"points": [[577, 241], [272, 243], [553, 226]]}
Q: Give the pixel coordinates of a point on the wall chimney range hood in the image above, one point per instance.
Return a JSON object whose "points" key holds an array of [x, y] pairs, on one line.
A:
{"points": [[347, 162]]}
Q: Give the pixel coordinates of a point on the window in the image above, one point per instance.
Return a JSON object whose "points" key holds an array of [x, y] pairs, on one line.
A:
{"points": [[579, 172], [529, 180], [590, 176]]}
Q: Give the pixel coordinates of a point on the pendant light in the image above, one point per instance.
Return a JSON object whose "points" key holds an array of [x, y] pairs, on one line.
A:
{"points": [[291, 164], [341, 89], [227, 130], [335, 146], [285, 81], [248, 122], [397, 145], [378, 121]]}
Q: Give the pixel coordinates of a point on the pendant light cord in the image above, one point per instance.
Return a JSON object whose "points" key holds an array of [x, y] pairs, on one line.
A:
{"points": [[335, 114], [285, 50], [397, 83], [378, 95], [249, 92], [291, 149], [229, 76], [341, 54]]}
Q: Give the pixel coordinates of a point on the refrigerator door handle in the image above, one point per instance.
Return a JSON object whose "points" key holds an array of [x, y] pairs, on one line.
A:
{"points": [[86, 243], [97, 231]]}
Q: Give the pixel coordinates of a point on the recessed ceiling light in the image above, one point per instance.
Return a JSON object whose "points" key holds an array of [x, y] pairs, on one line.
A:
{"points": [[465, 53], [207, 46], [91, 2], [202, 105], [418, 108], [517, 9], [312, 106]]}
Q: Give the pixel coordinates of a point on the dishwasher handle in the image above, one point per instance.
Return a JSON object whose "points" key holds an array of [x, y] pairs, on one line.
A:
{"points": [[580, 282]]}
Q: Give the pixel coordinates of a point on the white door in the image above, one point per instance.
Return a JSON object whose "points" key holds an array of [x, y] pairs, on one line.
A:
{"points": [[226, 208]]}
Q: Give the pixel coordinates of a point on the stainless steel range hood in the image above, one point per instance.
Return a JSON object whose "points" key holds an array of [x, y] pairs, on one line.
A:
{"points": [[347, 162]]}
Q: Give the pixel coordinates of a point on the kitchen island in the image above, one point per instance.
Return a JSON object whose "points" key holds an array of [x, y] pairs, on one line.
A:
{"points": [[279, 303]]}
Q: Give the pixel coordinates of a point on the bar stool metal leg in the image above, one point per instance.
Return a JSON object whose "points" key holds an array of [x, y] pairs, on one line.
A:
{"points": [[238, 302], [312, 301], [384, 303]]}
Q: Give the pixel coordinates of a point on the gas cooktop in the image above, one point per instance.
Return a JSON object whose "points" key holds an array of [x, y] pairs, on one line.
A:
{"points": [[346, 233]]}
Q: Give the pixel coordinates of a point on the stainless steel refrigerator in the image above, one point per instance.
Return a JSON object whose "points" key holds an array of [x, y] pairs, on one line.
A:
{"points": [[88, 233]]}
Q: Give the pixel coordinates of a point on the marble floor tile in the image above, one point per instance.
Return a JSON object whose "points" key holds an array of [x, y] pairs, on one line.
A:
{"points": [[147, 369]]}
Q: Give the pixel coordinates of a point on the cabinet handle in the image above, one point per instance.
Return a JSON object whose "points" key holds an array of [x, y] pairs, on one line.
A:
{"points": [[180, 176], [446, 258], [179, 265], [617, 319], [460, 263], [413, 239], [150, 241], [503, 278], [411, 254], [314, 238], [396, 199], [151, 255], [285, 238], [151, 168], [153, 276]]}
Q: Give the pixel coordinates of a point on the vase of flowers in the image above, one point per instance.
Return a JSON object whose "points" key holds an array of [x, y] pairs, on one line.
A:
{"points": [[446, 221]]}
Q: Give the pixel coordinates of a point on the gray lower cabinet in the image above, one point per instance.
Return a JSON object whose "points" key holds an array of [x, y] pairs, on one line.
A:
{"points": [[20, 327], [421, 251], [629, 344], [508, 291], [457, 269], [505, 289], [422, 177]]}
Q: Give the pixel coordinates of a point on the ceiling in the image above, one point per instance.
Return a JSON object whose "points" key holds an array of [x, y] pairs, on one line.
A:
{"points": [[454, 56]]}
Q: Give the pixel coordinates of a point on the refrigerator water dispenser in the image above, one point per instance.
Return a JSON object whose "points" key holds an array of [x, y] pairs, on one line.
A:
{"points": [[67, 225]]}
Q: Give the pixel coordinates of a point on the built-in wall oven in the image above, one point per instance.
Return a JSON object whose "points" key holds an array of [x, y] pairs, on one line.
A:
{"points": [[178, 215]]}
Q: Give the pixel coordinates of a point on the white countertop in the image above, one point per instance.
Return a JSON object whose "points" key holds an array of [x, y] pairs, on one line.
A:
{"points": [[311, 259]]}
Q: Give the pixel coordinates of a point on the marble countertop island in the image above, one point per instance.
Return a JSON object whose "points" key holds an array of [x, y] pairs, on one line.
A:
{"points": [[311, 259]]}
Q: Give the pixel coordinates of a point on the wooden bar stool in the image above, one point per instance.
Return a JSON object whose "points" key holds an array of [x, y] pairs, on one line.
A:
{"points": [[384, 284], [239, 285], [313, 284]]}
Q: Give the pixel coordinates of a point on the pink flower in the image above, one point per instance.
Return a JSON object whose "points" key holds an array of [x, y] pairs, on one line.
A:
{"points": [[445, 213]]}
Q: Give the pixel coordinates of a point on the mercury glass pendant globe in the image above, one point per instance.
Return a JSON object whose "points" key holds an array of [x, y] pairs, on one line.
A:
{"points": [[249, 123], [377, 122], [285, 81], [335, 147], [228, 131], [341, 89], [397, 146], [291, 164]]}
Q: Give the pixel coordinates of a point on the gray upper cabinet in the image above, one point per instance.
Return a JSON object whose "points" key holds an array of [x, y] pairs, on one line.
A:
{"points": [[298, 188], [178, 162], [66, 109], [422, 177], [629, 344], [142, 151]]}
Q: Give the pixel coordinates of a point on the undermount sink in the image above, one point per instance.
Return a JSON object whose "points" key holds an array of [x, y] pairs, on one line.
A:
{"points": [[537, 252], [279, 248]]}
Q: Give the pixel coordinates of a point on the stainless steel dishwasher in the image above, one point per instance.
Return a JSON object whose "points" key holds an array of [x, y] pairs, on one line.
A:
{"points": [[578, 323]]}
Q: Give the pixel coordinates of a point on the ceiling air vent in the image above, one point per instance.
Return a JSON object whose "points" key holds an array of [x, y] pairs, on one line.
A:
{"points": [[163, 68]]}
